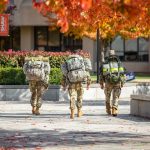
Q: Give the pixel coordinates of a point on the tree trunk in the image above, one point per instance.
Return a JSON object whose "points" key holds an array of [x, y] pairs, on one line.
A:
{"points": [[102, 50], [101, 45]]}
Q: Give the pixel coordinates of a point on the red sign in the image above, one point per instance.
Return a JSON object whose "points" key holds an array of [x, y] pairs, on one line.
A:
{"points": [[4, 24]]}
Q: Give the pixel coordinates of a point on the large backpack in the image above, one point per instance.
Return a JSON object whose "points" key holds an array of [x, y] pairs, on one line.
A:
{"points": [[74, 69], [87, 64], [36, 69], [113, 70]]}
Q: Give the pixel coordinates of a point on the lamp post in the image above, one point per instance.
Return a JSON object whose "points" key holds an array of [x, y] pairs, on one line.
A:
{"points": [[98, 53]]}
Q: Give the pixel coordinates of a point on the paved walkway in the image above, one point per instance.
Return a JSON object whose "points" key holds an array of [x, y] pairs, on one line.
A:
{"points": [[54, 130]]}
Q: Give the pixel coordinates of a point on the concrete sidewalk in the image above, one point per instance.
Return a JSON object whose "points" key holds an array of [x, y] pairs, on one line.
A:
{"points": [[54, 130]]}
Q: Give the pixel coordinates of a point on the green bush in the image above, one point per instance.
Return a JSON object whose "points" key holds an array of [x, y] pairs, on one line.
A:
{"points": [[55, 76], [12, 76], [6, 61], [56, 61], [11, 63], [15, 76]]}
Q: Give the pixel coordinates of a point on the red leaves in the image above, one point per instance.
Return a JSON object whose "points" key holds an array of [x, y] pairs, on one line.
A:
{"points": [[83, 17], [86, 4], [64, 25]]}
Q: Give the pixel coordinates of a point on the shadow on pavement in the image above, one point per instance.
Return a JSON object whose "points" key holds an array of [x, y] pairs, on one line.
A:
{"points": [[52, 138], [132, 118]]}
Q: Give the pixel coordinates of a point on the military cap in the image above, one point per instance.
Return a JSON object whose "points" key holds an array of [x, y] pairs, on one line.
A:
{"points": [[76, 50], [111, 52]]}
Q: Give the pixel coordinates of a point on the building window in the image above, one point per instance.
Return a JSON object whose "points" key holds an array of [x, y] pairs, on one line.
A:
{"points": [[41, 36], [72, 43], [143, 49], [54, 40], [131, 50], [118, 45], [12, 41], [16, 38]]}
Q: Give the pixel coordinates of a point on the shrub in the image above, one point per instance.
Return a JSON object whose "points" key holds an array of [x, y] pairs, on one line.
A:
{"points": [[15, 76], [55, 76], [12, 76], [16, 58], [11, 63]]}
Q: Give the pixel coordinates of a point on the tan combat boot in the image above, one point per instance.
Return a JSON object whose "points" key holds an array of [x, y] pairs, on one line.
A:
{"points": [[108, 109], [79, 113], [33, 110], [114, 111], [72, 114], [37, 112]]}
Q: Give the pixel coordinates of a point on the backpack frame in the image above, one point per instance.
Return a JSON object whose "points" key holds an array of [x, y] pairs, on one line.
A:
{"points": [[116, 75]]}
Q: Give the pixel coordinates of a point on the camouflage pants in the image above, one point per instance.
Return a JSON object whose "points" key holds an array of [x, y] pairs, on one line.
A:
{"points": [[37, 89], [75, 92], [115, 91]]}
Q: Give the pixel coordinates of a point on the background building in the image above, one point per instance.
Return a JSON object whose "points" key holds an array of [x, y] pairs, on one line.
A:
{"points": [[29, 30]]}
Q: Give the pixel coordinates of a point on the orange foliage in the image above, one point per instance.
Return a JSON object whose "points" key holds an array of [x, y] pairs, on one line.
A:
{"points": [[3, 4], [128, 18]]}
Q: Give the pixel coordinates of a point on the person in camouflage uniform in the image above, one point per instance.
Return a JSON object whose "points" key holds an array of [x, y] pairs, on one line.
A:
{"points": [[76, 92], [38, 87], [111, 88]]}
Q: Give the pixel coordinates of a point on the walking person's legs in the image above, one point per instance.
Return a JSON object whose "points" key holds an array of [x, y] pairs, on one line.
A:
{"points": [[40, 90], [73, 95], [33, 100], [107, 91], [116, 95], [79, 100]]}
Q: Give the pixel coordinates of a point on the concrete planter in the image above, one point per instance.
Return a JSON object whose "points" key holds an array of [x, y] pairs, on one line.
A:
{"points": [[140, 100], [22, 92], [140, 105], [55, 92]]}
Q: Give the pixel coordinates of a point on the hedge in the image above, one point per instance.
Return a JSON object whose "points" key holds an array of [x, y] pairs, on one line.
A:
{"points": [[11, 63], [16, 58], [12, 76], [15, 76]]}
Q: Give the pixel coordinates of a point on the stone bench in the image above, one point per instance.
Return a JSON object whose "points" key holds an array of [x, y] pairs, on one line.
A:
{"points": [[140, 105]]}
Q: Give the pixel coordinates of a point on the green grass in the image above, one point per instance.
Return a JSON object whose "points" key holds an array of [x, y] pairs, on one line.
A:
{"points": [[137, 76], [93, 77], [140, 76]]}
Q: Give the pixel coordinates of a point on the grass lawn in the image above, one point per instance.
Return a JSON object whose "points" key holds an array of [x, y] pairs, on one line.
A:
{"points": [[137, 76], [142, 76]]}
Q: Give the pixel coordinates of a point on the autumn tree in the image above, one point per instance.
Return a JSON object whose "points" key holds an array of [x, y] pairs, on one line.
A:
{"points": [[3, 5], [128, 18]]}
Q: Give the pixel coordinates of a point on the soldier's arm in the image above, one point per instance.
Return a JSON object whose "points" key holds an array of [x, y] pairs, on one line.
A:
{"points": [[64, 82], [48, 68], [101, 79], [101, 82], [123, 80], [88, 80]]}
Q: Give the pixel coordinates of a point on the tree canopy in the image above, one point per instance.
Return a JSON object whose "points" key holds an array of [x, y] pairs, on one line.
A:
{"points": [[3, 5], [128, 18]]}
